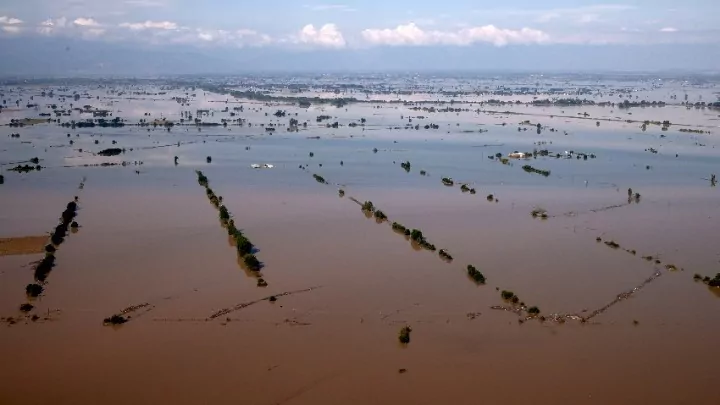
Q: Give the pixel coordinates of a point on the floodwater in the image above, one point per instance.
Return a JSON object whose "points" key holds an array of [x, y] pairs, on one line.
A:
{"points": [[149, 235]]}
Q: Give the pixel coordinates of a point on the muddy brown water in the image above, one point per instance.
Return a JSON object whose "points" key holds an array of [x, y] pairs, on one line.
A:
{"points": [[154, 238]]}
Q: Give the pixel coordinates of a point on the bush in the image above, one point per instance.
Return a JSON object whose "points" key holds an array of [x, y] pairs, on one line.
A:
{"points": [[208, 159], [475, 274], [423, 172], [251, 262], [404, 335], [416, 235], [507, 295], [398, 227], [115, 320], [319, 179], [379, 215], [406, 166], [26, 307], [262, 283], [464, 188], [715, 282], [444, 254], [110, 152], [539, 212], [341, 193], [368, 206], [490, 197], [612, 244], [243, 244], [447, 181], [533, 310], [531, 169], [224, 213], [202, 180], [33, 290]]}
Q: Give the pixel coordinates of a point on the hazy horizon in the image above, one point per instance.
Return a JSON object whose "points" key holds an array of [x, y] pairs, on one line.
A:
{"points": [[155, 37]]}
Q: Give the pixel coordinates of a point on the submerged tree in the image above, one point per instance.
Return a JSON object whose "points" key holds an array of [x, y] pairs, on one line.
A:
{"points": [[404, 335]]}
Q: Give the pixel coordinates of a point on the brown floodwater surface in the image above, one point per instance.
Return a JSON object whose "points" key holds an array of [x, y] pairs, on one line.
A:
{"points": [[151, 247]]}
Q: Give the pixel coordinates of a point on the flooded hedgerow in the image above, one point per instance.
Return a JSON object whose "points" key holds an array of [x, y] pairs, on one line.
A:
{"points": [[531, 169], [242, 243]]}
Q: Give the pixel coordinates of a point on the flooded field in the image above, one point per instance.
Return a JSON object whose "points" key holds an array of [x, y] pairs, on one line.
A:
{"points": [[366, 239]]}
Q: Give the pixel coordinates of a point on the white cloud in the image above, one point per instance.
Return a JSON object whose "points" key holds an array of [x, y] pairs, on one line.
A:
{"points": [[94, 32], [157, 25], [583, 15], [86, 22], [411, 34], [9, 20], [49, 26], [668, 29], [239, 38], [327, 36], [11, 29], [145, 3], [329, 7]]}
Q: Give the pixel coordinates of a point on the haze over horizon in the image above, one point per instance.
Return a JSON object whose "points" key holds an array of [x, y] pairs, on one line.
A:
{"points": [[76, 37]]}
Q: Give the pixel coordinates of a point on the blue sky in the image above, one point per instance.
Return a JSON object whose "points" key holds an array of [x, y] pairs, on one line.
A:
{"points": [[223, 26]]}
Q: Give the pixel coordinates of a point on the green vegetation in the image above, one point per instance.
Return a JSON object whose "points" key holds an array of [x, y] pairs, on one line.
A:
{"points": [[447, 181], [25, 168], [406, 166], [404, 335], [224, 214], [380, 216], [110, 152], [539, 212], [368, 206], [464, 188], [475, 274], [715, 281], [33, 290], [423, 173], [416, 236], [507, 295], [490, 197], [341, 193], [115, 320], [202, 180], [319, 179], [2, 179], [262, 283], [26, 307], [533, 311], [445, 255], [242, 243], [612, 244], [251, 262], [208, 159], [400, 228], [531, 169]]}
